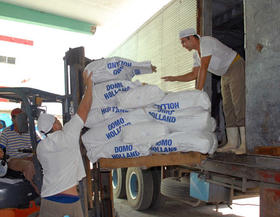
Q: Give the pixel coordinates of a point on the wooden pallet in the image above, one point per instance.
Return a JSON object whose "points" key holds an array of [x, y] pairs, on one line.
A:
{"points": [[178, 158], [268, 150]]}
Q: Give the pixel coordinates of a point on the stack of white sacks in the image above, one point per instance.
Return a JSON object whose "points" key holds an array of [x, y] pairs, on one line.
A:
{"points": [[128, 119]]}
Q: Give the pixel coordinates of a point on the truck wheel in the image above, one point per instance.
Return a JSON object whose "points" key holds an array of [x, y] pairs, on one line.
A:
{"points": [[176, 188], [139, 188], [158, 199], [118, 182]]}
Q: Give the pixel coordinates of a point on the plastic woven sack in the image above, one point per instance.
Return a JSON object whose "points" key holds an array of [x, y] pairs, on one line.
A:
{"points": [[144, 132], [117, 68], [185, 99], [140, 96], [185, 142]]}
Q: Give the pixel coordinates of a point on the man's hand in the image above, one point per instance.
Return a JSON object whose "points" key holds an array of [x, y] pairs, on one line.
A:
{"points": [[169, 78], [154, 68], [1, 153]]}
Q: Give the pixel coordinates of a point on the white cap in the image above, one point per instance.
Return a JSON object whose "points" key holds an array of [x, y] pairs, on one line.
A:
{"points": [[187, 32], [45, 122]]}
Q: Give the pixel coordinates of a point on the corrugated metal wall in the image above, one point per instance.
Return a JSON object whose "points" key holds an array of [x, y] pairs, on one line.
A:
{"points": [[158, 41], [262, 74]]}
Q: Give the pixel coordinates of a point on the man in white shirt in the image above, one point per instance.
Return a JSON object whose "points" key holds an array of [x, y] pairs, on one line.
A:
{"points": [[61, 160], [212, 55]]}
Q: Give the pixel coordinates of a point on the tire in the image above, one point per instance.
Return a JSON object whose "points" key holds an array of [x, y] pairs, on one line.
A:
{"points": [[139, 188], [118, 182], [176, 188], [158, 199]]}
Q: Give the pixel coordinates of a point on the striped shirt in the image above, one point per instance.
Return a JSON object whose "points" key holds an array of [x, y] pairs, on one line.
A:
{"points": [[12, 141]]}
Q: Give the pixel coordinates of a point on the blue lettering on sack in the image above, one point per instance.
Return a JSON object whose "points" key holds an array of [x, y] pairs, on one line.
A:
{"points": [[126, 155], [116, 131], [163, 149], [163, 117], [125, 151], [115, 124], [118, 64], [169, 112], [113, 93], [118, 155], [118, 71], [137, 71], [114, 86], [123, 148], [172, 105], [113, 133], [133, 154], [105, 110], [117, 110], [164, 142], [113, 109]]}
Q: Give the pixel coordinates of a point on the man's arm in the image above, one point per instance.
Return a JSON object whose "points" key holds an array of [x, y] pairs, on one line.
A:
{"points": [[202, 72], [3, 143], [1, 153], [154, 68], [183, 78], [85, 104]]}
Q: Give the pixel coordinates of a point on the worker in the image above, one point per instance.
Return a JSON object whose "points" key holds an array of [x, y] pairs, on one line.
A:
{"points": [[212, 55], [61, 160], [2, 126], [12, 140]]}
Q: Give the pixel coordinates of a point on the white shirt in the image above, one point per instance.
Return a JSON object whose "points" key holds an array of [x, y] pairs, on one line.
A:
{"points": [[60, 156], [222, 55]]}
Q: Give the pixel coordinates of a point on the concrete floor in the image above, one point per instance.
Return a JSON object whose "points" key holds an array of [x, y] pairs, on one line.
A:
{"points": [[248, 207]]}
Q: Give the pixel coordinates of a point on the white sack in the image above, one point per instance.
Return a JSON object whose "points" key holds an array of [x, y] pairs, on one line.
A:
{"points": [[140, 96], [191, 119], [185, 142], [97, 115], [118, 150], [104, 94], [110, 130], [145, 132], [185, 99], [117, 68]]}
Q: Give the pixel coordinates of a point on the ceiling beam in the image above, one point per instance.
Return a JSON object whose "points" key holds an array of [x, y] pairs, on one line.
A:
{"points": [[26, 15]]}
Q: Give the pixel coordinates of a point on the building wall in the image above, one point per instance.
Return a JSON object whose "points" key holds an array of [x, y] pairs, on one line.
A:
{"points": [[262, 26], [157, 41]]}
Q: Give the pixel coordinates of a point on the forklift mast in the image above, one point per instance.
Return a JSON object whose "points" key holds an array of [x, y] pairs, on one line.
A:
{"points": [[96, 189]]}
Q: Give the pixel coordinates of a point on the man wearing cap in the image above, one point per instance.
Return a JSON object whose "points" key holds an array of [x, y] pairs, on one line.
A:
{"points": [[212, 55], [61, 160], [12, 140]]}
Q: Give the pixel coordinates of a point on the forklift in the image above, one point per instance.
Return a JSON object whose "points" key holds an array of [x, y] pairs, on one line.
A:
{"points": [[17, 196]]}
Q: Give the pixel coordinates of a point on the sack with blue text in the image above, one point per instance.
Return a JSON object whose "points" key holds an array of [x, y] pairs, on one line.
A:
{"points": [[105, 94], [98, 115], [117, 68], [144, 132], [117, 149], [110, 130], [186, 120], [203, 142], [140, 96]]}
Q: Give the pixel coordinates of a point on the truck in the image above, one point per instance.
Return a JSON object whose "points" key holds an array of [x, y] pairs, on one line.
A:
{"points": [[232, 23], [218, 177]]}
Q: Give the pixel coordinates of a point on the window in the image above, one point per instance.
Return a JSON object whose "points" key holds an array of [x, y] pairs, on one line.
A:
{"points": [[9, 60]]}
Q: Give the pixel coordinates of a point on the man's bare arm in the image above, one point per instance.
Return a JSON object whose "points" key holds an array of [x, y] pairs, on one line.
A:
{"points": [[1, 153], [202, 72], [183, 78], [85, 104]]}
